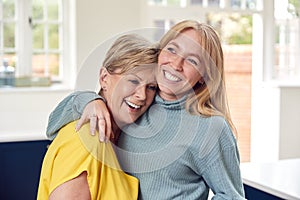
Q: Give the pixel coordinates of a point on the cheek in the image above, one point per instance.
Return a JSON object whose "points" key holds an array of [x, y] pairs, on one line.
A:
{"points": [[118, 94], [123, 88], [150, 97], [193, 75], [163, 57]]}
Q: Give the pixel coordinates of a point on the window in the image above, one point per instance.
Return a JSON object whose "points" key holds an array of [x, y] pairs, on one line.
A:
{"points": [[33, 39], [287, 40], [46, 26]]}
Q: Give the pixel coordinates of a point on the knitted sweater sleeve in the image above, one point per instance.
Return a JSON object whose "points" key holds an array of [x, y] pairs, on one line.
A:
{"points": [[222, 172], [69, 109]]}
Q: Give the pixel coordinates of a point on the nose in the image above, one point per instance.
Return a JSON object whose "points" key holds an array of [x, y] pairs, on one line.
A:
{"points": [[140, 92], [177, 63]]}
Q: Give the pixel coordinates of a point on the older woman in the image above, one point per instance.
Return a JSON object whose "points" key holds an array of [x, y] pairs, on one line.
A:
{"points": [[78, 167]]}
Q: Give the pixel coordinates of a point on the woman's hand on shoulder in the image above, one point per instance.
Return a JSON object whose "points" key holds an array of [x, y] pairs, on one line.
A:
{"points": [[97, 114]]}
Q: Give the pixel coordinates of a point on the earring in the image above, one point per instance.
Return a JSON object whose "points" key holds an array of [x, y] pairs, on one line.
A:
{"points": [[104, 88], [201, 81]]}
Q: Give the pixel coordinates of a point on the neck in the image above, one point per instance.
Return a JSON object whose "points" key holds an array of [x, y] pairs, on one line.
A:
{"points": [[116, 132], [168, 97]]}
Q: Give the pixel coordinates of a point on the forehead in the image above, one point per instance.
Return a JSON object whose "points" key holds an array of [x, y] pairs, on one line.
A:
{"points": [[143, 72], [189, 38]]}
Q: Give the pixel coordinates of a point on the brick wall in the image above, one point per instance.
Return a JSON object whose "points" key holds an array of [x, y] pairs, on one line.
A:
{"points": [[238, 71]]}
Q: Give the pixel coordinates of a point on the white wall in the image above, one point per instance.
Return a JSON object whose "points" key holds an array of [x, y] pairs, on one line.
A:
{"points": [[24, 111], [99, 20], [265, 123], [289, 141], [275, 126]]}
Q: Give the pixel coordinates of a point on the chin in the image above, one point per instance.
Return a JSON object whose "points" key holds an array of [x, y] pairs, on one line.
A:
{"points": [[129, 120]]}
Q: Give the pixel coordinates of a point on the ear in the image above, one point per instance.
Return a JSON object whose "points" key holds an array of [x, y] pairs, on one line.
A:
{"points": [[103, 77]]}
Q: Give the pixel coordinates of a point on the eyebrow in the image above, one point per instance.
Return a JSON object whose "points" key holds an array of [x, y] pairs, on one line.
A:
{"points": [[154, 81], [135, 75]]}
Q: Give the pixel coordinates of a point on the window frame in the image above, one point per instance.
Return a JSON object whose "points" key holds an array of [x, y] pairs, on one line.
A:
{"points": [[23, 42]]}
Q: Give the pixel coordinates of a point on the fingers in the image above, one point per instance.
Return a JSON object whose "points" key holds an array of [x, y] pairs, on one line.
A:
{"points": [[97, 113], [80, 122], [84, 119], [102, 129], [108, 132], [105, 129], [93, 124], [103, 123]]}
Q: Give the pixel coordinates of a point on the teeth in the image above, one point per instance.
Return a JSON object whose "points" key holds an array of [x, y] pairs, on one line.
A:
{"points": [[133, 105], [171, 77]]}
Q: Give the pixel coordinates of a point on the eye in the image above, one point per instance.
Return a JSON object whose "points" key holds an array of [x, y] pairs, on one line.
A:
{"points": [[134, 81], [152, 87], [171, 50], [193, 61]]}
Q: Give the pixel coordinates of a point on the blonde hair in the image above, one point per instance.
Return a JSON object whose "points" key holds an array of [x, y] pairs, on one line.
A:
{"points": [[210, 97], [128, 52]]}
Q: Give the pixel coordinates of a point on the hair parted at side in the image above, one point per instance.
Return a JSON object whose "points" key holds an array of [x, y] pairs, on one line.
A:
{"points": [[209, 98], [130, 51]]}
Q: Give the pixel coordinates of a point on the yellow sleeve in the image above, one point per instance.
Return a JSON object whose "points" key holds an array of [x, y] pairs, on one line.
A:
{"points": [[72, 153]]}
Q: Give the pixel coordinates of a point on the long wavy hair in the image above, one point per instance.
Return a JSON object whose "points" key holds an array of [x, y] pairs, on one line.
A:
{"points": [[208, 98]]}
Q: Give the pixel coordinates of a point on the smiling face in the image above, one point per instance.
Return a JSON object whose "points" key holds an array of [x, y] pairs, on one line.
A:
{"points": [[128, 95], [127, 78], [180, 66]]}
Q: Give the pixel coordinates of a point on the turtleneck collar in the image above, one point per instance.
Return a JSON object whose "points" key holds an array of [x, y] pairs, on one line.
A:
{"points": [[174, 105]]}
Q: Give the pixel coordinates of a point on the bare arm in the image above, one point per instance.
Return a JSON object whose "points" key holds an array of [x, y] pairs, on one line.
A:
{"points": [[76, 188]]}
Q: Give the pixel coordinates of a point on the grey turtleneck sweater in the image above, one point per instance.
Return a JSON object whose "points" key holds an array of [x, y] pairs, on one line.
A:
{"points": [[175, 155]]}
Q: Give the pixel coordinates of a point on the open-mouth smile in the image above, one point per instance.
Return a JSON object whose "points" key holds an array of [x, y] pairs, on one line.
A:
{"points": [[132, 105], [171, 77]]}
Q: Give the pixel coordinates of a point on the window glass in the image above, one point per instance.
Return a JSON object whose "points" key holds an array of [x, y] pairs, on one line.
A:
{"points": [[162, 25], [251, 4], [38, 36], [37, 9], [234, 28], [53, 10], [235, 3], [196, 2], [213, 2], [47, 34], [53, 41], [54, 62], [174, 2], [39, 61], [9, 35], [35, 28], [287, 40], [8, 9], [8, 56]]}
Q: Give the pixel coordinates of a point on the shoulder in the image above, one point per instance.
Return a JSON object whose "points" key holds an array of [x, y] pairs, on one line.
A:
{"points": [[215, 129], [67, 132], [82, 138]]}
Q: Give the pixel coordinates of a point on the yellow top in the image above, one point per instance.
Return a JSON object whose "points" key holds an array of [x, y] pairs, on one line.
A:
{"points": [[72, 153]]}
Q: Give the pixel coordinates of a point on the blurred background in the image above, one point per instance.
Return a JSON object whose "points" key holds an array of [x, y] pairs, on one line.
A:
{"points": [[43, 44]]}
